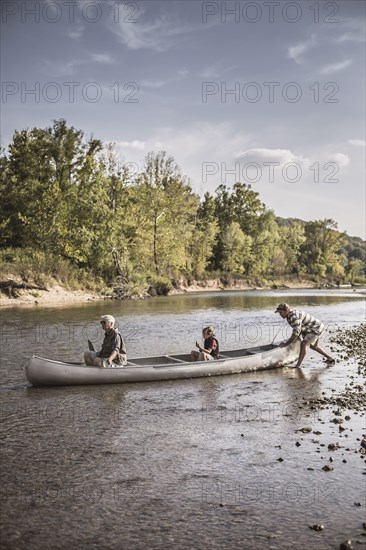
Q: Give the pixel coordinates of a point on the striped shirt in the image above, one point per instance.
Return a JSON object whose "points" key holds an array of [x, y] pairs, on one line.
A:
{"points": [[303, 323]]}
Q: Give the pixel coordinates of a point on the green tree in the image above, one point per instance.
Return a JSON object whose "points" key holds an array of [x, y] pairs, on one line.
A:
{"points": [[236, 248], [165, 215], [44, 171], [320, 251], [203, 236], [292, 238], [243, 206], [265, 240], [355, 268]]}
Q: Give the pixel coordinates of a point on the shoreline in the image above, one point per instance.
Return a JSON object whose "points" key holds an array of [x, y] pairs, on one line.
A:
{"points": [[58, 295]]}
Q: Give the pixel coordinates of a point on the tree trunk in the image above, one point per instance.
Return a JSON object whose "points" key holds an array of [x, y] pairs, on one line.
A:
{"points": [[155, 244]]}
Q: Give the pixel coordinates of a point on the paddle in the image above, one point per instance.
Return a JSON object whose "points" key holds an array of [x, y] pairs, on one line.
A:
{"points": [[272, 343], [91, 346]]}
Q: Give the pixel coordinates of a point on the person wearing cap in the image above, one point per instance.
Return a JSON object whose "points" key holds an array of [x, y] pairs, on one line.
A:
{"points": [[113, 352], [305, 326]]}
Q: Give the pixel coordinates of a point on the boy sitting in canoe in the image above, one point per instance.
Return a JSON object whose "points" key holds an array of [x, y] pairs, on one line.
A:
{"points": [[210, 349]]}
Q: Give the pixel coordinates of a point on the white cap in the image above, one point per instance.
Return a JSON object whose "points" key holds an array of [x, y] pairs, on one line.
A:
{"points": [[108, 319]]}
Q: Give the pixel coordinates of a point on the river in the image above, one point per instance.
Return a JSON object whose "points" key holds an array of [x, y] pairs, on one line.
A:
{"points": [[204, 463]]}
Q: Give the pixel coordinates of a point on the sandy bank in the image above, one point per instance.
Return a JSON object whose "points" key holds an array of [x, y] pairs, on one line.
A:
{"points": [[53, 296], [237, 284], [59, 295]]}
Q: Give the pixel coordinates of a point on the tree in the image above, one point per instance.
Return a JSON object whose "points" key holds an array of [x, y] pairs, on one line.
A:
{"points": [[320, 251], [236, 248], [355, 268], [265, 241], [291, 239], [165, 211], [44, 171], [203, 236], [241, 205]]}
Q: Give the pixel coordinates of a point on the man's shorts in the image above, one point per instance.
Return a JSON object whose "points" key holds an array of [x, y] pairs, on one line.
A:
{"points": [[311, 338]]}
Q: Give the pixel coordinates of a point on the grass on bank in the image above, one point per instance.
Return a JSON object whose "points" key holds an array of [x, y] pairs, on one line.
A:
{"points": [[47, 270], [43, 269]]}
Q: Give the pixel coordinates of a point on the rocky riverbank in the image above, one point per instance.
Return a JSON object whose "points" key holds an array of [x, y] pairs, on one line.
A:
{"points": [[350, 347], [337, 434]]}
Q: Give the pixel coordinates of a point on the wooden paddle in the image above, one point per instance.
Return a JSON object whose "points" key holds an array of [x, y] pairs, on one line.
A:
{"points": [[91, 346]]}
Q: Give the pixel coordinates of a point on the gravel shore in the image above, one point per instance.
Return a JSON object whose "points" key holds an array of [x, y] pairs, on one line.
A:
{"points": [[349, 346]]}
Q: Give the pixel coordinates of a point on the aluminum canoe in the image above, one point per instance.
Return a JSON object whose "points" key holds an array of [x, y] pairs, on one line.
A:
{"points": [[48, 372]]}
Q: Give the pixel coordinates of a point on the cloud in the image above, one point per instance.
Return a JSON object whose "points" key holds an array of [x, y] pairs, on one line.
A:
{"points": [[280, 156], [208, 154], [352, 30], [341, 159], [105, 59], [182, 73], [193, 148], [135, 144], [357, 142], [70, 68], [157, 35], [204, 141], [179, 75], [335, 67], [61, 69], [210, 72], [297, 52], [154, 84], [77, 33]]}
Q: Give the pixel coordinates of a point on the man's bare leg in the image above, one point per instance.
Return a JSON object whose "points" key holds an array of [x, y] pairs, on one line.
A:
{"points": [[322, 352], [303, 348]]}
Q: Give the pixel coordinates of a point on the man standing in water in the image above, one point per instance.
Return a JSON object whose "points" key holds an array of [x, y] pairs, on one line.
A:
{"points": [[307, 327], [113, 352]]}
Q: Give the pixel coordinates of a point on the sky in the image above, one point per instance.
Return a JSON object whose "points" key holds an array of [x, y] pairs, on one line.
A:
{"points": [[269, 93]]}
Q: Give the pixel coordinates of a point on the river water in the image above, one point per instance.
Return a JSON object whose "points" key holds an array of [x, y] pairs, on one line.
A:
{"points": [[178, 464]]}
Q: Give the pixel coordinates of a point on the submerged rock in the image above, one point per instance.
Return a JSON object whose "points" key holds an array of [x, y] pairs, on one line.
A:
{"points": [[317, 527]]}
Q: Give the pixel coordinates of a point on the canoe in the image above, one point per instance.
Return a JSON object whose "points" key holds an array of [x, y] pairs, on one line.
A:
{"points": [[47, 372]]}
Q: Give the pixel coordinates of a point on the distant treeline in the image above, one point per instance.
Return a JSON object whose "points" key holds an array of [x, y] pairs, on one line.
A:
{"points": [[69, 197]]}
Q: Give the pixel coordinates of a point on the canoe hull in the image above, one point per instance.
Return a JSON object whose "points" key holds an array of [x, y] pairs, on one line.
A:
{"points": [[46, 372]]}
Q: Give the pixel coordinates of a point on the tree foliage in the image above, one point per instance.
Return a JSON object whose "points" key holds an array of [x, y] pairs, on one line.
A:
{"points": [[70, 196]]}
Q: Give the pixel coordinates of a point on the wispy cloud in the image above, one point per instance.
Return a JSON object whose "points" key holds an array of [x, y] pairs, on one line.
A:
{"points": [[297, 52], [154, 83], [341, 159], [335, 67], [193, 146], [135, 144], [351, 30], [76, 33], [210, 72], [157, 35], [105, 59], [285, 157], [357, 142], [280, 156], [179, 75], [59, 69]]}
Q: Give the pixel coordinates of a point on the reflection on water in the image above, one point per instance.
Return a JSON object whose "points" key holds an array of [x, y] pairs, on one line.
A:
{"points": [[183, 464]]}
